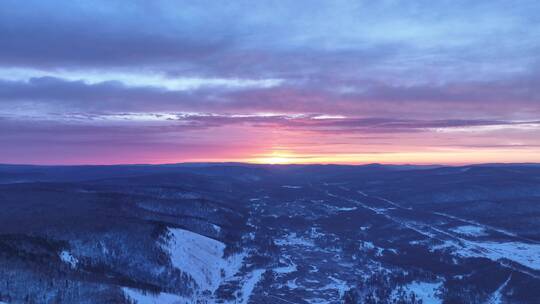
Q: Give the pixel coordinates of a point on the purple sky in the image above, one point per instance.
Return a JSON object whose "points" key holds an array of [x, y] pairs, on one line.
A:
{"points": [[100, 82]]}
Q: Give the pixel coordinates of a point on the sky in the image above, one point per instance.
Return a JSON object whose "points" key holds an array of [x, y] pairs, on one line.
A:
{"points": [[348, 82]]}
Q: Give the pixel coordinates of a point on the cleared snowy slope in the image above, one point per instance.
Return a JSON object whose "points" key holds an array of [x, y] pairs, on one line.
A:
{"points": [[202, 258]]}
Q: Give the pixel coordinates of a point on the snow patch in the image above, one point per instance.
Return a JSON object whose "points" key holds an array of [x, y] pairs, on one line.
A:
{"points": [[293, 239], [470, 230], [339, 285], [291, 267], [69, 259], [141, 297], [425, 291], [243, 296], [216, 228], [525, 254], [314, 233], [367, 245], [291, 284]]}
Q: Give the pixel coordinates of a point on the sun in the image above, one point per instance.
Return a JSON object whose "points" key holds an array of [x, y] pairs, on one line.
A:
{"points": [[275, 158]]}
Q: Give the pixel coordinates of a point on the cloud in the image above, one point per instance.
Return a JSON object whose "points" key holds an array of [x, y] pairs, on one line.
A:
{"points": [[173, 137], [295, 39], [515, 99], [365, 75]]}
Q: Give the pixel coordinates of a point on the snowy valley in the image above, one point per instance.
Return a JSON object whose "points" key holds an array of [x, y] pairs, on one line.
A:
{"points": [[234, 233]]}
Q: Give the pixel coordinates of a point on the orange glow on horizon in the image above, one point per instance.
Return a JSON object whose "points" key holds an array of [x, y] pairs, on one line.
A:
{"points": [[275, 158], [448, 157], [456, 157]]}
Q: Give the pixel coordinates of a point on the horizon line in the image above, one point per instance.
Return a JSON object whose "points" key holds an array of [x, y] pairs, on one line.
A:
{"points": [[271, 164]]}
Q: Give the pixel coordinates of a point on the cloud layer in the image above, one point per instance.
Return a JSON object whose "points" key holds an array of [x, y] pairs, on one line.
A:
{"points": [[316, 81]]}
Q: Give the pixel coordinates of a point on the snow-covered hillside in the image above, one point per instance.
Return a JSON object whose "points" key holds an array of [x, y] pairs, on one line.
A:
{"points": [[202, 258]]}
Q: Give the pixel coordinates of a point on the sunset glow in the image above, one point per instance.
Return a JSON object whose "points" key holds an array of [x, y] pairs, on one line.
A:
{"points": [[385, 82]]}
